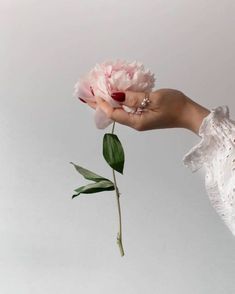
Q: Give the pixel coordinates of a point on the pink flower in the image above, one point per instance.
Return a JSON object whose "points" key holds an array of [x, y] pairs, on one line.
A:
{"points": [[112, 76]]}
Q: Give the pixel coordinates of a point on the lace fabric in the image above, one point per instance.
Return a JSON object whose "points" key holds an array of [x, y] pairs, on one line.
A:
{"points": [[216, 153]]}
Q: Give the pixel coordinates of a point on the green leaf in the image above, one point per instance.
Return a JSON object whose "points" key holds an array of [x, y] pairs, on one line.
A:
{"points": [[95, 188], [113, 152], [87, 174]]}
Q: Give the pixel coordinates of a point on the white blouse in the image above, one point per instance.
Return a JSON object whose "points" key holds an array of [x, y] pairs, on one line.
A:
{"points": [[216, 152]]}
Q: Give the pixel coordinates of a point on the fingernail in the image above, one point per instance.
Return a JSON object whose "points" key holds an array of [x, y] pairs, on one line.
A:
{"points": [[119, 96], [82, 100], [92, 91]]}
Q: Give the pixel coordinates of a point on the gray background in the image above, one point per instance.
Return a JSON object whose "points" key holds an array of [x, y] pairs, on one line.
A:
{"points": [[174, 240]]}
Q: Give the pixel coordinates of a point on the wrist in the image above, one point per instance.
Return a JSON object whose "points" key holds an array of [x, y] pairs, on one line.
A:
{"points": [[193, 115]]}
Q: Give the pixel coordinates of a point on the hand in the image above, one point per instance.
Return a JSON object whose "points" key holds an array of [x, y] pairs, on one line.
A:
{"points": [[168, 108]]}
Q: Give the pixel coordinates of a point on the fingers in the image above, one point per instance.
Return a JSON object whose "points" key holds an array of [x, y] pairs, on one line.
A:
{"points": [[132, 99], [129, 98], [119, 115]]}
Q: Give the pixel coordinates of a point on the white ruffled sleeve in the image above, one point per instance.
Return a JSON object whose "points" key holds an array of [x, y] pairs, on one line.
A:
{"points": [[216, 153]]}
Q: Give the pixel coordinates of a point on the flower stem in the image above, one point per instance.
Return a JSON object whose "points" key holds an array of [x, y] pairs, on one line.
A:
{"points": [[119, 235], [113, 127]]}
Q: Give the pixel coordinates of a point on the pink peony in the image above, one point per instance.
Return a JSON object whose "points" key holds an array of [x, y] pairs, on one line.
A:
{"points": [[113, 76]]}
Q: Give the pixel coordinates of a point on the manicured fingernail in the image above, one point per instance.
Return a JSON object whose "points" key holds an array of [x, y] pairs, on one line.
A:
{"points": [[119, 96], [82, 100], [92, 91]]}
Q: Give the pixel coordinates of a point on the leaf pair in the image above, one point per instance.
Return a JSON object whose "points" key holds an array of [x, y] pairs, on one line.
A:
{"points": [[100, 183], [114, 155]]}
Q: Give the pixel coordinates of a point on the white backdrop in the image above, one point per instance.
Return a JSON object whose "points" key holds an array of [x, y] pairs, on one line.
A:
{"points": [[173, 238]]}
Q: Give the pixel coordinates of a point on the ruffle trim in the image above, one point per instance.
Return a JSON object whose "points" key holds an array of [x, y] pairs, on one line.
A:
{"points": [[208, 131]]}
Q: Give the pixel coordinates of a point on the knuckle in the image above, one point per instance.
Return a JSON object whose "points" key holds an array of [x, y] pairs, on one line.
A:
{"points": [[132, 98], [158, 95]]}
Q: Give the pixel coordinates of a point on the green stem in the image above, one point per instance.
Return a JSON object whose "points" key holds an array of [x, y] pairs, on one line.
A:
{"points": [[113, 127], [119, 235]]}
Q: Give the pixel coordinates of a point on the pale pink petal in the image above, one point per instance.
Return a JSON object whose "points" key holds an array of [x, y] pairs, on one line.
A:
{"points": [[82, 90], [101, 119]]}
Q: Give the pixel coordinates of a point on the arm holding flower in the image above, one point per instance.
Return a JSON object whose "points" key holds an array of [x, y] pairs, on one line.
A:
{"points": [[122, 92], [169, 108]]}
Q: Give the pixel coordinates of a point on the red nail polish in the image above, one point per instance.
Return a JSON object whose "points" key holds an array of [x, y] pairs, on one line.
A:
{"points": [[119, 96], [82, 100], [92, 92]]}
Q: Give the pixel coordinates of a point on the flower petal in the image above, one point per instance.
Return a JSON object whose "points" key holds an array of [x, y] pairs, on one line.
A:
{"points": [[101, 119]]}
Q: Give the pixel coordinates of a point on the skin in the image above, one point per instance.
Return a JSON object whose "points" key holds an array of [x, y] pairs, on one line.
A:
{"points": [[169, 108]]}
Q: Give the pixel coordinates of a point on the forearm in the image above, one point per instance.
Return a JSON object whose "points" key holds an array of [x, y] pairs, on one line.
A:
{"points": [[193, 115]]}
